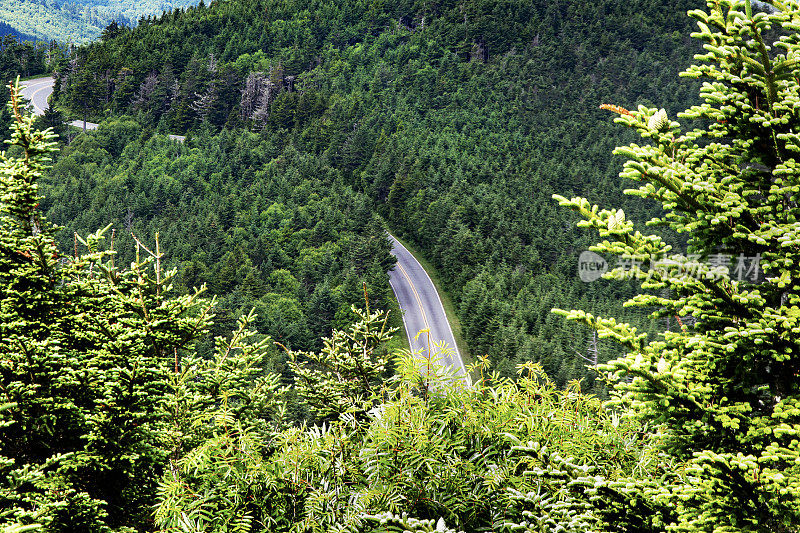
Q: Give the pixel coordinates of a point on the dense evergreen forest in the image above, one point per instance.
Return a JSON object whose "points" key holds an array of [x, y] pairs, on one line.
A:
{"points": [[456, 121], [75, 21], [261, 224], [118, 415], [21, 58]]}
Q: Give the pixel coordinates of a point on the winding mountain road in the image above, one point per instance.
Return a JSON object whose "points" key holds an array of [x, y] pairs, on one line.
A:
{"points": [[39, 90], [423, 310], [420, 303]]}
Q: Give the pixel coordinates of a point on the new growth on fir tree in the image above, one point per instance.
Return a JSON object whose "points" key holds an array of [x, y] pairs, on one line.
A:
{"points": [[722, 394], [346, 376], [87, 352]]}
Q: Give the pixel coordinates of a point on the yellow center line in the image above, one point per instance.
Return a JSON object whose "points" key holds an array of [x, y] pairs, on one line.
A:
{"points": [[31, 86], [416, 295], [34, 93]]}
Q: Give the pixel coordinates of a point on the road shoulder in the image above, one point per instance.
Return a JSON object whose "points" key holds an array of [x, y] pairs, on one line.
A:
{"points": [[444, 297]]}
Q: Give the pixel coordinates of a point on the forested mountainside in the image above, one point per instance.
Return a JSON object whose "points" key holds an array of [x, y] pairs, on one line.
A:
{"points": [[456, 120], [118, 414], [8, 30], [263, 225], [76, 21]]}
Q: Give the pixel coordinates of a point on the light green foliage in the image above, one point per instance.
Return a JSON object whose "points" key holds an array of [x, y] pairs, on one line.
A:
{"points": [[499, 455], [20, 529], [452, 453], [225, 413], [346, 376], [722, 393], [389, 522]]}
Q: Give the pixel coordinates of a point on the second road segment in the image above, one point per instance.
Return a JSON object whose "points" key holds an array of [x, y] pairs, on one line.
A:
{"points": [[38, 90]]}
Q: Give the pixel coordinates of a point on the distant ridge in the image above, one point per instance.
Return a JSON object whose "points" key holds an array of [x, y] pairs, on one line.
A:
{"points": [[78, 21], [8, 30]]}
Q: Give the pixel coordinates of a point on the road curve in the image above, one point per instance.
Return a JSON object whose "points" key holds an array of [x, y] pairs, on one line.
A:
{"points": [[39, 90], [422, 309]]}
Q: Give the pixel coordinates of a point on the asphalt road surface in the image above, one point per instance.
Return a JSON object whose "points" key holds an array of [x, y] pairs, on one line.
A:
{"points": [[422, 309], [39, 90]]}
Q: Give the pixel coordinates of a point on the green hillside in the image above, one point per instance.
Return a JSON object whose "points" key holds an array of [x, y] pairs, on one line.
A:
{"points": [[77, 21], [7, 30], [194, 335], [456, 121]]}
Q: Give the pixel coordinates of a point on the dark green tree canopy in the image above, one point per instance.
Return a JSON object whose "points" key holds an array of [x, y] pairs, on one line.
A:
{"points": [[454, 121], [87, 349]]}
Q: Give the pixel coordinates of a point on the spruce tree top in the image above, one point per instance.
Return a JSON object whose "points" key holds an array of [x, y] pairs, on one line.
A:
{"points": [[724, 391]]}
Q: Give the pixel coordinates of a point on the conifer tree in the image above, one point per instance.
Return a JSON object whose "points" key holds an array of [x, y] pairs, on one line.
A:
{"points": [[346, 375], [86, 350], [722, 394], [225, 414]]}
